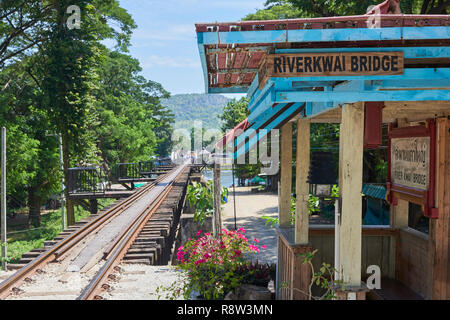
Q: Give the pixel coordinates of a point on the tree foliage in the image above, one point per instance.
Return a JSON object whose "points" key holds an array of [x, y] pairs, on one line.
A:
{"points": [[234, 113], [289, 9], [56, 79], [188, 108], [130, 114]]}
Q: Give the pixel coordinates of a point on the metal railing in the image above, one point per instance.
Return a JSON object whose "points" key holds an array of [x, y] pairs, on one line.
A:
{"points": [[94, 179], [128, 171], [87, 180]]}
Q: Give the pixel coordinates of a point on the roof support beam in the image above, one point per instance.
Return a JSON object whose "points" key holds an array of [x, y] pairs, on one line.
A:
{"points": [[351, 97], [323, 35], [301, 184], [285, 189], [350, 185]]}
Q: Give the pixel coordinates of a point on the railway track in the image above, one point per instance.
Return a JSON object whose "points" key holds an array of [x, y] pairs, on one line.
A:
{"points": [[139, 241]]}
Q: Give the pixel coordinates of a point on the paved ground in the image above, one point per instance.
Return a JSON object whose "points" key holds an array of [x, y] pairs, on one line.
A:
{"points": [[250, 207], [140, 282]]}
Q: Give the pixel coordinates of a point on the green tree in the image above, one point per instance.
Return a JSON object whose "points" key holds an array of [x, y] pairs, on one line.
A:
{"points": [[71, 58], [287, 9], [132, 120], [32, 155], [234, 113], [21, 26], [275, 12]]}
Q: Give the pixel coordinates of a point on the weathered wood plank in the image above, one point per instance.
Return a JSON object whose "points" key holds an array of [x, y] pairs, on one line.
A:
{"points": [[286, 175], [350, 182], [302, 186], [440, 228]]}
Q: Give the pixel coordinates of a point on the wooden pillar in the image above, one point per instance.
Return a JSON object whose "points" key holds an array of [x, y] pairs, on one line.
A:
{"points": [[217, 218], [399, 217], [399, 214], [286, 176], [301, 184], [439, 239], [350, 183]]}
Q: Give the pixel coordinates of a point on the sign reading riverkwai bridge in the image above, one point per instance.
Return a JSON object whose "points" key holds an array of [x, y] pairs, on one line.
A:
{"points": [[411, 165], [331, 64], [410, 162]]}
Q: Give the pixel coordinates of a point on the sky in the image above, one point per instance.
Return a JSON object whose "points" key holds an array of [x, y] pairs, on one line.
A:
{"points": [[165, 41]]}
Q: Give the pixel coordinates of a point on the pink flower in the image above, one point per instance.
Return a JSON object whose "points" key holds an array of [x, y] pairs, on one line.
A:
{"points": [[180, 248], [199, 261], [264, 246], [199, 233], [241, 230], [222, 247], [256, 240], [180, 256], [207, 256], [237, 253]]}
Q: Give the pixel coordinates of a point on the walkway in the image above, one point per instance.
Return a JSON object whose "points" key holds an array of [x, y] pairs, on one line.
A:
{"points": [[250, 207]]}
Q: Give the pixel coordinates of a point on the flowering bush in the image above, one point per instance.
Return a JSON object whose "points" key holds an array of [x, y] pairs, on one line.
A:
{"points": [[214, 265]]}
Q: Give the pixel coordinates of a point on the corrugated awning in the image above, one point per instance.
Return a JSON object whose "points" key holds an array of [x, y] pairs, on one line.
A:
{"points": [[249, 134], [235, 132]]}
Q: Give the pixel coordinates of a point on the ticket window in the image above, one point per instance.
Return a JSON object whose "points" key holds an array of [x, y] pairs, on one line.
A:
{"points": [[417, 220]]}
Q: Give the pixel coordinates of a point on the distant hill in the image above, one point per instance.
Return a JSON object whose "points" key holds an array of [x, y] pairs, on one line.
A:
{"points": [[191, 107]]}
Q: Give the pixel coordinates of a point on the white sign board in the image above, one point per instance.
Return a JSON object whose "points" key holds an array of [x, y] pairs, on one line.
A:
{"points": [[410, 162]]}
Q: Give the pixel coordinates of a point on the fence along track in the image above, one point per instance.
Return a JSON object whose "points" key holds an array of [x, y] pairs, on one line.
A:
{"points": [[117, 250], [62, 247]]}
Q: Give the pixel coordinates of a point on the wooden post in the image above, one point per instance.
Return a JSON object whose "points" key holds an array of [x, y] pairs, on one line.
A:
{"points": [[217, 219], [439, 241], [399, 220], [350, 183], [399, 214], [301, 185], [286, 175]]}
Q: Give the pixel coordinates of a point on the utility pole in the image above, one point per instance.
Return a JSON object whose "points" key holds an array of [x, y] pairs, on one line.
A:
{"points": [[61, 166], [3, 197], [63, 197], [217, 219]]}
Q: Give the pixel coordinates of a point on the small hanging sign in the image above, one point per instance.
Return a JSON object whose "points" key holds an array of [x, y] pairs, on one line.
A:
{"points": [[411, 172], [410, 162]]}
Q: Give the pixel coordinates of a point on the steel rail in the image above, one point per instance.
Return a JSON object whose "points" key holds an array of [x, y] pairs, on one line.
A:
{"points": [[70, 241], [119, 248], [59, 254]]}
